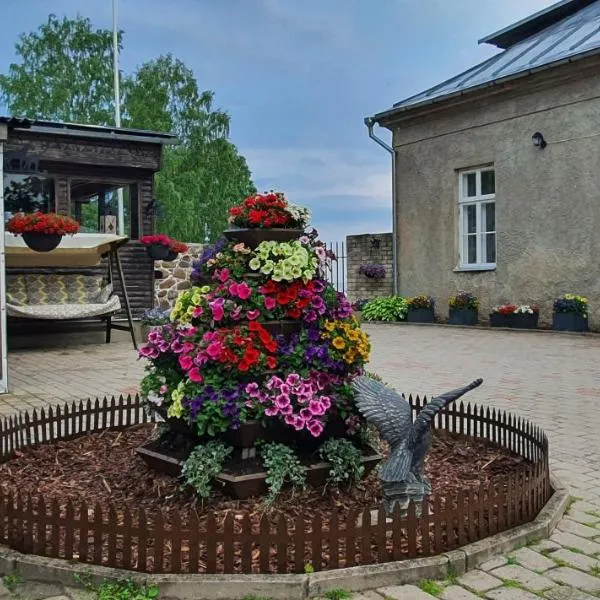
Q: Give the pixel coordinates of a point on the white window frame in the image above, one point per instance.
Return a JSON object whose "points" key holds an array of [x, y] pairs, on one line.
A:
{"points": [[478, 200]]}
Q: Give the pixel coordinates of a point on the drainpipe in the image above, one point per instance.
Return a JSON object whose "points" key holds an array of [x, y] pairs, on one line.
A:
{"points": [[370, 122]]}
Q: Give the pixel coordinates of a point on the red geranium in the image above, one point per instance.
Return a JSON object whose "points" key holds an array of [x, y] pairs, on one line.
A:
{"points": [[39, 222], [159, 238], [263, 210]]}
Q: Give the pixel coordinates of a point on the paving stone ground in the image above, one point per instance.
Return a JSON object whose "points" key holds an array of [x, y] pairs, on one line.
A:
{"points": [[551, 379]]}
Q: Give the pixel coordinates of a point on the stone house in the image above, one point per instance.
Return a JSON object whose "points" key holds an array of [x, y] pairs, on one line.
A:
{"points": [[497, 172]]}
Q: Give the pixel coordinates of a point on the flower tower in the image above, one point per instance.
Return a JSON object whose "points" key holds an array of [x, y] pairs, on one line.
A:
{"points": [[261, 350]]}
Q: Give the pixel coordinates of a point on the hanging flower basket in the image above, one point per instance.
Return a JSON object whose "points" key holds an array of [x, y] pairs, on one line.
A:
{"points": [[162, 247], [42, 232]]}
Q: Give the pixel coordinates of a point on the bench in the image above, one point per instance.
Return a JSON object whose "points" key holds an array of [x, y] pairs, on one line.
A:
{"points": [[61, 297]]}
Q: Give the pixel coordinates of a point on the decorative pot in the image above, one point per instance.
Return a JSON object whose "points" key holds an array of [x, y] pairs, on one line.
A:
{"points": [[569, 322], [462, 316], [171, 255], [285, 327], [253, 237], [158, 251], [41, 242], [420, 315]]}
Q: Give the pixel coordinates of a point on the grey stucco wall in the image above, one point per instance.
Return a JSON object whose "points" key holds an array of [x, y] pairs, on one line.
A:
{"points": [[547, 201], [373, 248]]}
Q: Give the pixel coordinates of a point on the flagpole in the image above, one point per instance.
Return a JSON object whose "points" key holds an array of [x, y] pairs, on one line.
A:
{"points": [[120, 212]]}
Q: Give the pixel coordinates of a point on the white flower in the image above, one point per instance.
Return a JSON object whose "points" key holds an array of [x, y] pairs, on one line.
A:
{"points": [[155, 398]]}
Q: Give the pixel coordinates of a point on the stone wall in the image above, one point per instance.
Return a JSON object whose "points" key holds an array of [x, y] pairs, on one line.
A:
{"points": [[372, 248], [175, 277]]}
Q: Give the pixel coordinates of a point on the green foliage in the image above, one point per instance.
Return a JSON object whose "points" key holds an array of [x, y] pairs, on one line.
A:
{"points": [[282, 467], [345, 461], [338, 594], [11, 581], [431, 587], [385, 308], [511, 583], [203, 465], [308, 569], [126, 590], [65, 73]]}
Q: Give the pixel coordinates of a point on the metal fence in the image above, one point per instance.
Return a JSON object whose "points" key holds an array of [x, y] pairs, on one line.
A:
{"points": [[181, 541], [337, 274]]}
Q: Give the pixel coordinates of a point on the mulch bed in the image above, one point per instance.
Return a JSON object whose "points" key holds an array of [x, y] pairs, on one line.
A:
{"points": [[104, 468]]}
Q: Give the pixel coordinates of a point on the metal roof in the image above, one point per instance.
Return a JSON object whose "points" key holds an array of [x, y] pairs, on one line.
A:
{"points": [[573, 37], [89, 131], [517, 32]]}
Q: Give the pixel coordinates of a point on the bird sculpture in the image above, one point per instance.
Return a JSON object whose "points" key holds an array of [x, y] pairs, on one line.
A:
{"points": [[401, 474]]}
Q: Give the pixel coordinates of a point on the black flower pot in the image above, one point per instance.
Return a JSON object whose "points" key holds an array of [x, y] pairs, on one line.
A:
{"points": [[158, 251], [284, 327], [172, 255], [515, 321], [41, 242], [569, 322], [420, 315], [462, 316], [253, 237], [500, 320]]}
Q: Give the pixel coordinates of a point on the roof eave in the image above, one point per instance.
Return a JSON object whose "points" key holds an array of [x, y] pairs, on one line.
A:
{"points": [[388, 115]]}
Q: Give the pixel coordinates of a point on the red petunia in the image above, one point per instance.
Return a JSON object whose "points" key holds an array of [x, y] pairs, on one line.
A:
{"points": [[271, 362]]}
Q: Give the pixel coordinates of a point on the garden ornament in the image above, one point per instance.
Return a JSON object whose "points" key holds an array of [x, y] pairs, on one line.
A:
{"points": [[401, 474]]}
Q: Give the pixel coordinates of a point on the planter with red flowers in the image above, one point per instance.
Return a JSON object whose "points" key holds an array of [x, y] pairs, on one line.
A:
{"points": [[265, 217], [42, 232], [162, 247], [525, 316]]}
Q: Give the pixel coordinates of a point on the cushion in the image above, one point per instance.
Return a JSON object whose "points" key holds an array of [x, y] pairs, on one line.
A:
{"points": [[46, 289], [83, 289], [16, 292], [64, 311]]}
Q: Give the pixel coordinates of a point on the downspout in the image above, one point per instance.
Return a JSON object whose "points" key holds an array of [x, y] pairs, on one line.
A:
{"points": [[370, 122]]}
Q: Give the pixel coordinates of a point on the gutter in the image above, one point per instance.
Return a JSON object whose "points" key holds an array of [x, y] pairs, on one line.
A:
{"points": [[370, 122]]}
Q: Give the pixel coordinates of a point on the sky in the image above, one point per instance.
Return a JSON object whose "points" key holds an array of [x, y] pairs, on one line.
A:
{"points": [[299, 76]]}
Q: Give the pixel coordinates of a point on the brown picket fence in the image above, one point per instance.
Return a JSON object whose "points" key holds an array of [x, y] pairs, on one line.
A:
{"points": [[174, 541]]}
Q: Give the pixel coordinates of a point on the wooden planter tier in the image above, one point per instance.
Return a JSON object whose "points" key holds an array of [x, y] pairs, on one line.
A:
{"points": [[253, 237], [284, 327], [242, 485]]}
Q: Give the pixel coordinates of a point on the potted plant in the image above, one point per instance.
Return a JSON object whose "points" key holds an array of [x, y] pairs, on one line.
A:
{"points": [[266, 217], [570, 313], [176, 249], [463, 309], [42, 232], [525, 316], [157, 246], [420, 309], [372, 271]]}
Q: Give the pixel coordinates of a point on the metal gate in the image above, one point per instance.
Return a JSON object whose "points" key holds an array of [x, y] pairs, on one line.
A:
{"points": [[337, 273]]}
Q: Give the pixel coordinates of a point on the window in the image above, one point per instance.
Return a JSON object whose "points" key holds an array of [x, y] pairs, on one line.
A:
{"points": [[477, 218], [27, 193]]}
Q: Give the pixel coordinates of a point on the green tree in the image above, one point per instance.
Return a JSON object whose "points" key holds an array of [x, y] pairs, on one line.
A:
{"points": [[64, 73]]}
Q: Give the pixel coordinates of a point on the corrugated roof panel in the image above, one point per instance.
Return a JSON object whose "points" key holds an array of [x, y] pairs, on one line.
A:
{"points": [[574, 35]]}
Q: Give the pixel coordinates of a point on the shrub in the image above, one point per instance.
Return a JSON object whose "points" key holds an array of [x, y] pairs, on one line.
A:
{"points": [[345, 461], [464, 300], [420, 302], [385, 308], [571, 303], [282, 466], [203, 465]]}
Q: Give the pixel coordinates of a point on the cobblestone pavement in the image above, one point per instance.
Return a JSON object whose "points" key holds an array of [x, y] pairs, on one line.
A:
{"points": [[551, 379]]}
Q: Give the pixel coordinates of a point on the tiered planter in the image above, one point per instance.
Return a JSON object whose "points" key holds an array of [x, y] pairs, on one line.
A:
{"points": [[569, 322], [253, 237]]}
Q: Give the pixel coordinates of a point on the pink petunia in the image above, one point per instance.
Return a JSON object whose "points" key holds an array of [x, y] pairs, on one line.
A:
{"points": [[186, 362], [188, 347], [244, 291], [214, 350], [282, 400], [177, 347], [316, 408], [315, 428], [287, 410], [252, 389], [293, 379], [306, 414], [252, 315], [197, 312], [223, 275], [154, 336], [298, 423], [164, 389], [326, 402], [270, 303], [217, 311], [195, 375], [147, 350], [271, 411], [236, 313], [289, 419]]}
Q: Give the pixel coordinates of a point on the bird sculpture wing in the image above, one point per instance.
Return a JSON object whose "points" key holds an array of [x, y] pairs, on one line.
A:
{"points": [[384, 408], [421, 426]]}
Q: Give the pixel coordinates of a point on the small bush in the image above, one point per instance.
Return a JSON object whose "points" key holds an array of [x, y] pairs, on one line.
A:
{"points": [[385, 308]]}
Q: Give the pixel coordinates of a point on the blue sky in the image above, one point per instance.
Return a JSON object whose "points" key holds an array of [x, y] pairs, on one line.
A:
{"points": [[299, 76]]}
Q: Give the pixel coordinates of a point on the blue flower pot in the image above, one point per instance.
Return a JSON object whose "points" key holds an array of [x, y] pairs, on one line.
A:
{"points": [[569, 322]]}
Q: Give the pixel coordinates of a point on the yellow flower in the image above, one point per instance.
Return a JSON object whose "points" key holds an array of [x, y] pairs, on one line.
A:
{"points": [[329, 325], [176, 409], [353, 335], [339, 343]]}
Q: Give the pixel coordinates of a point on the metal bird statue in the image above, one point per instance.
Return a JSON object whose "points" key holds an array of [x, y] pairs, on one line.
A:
{"points": [[401, 474]]}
